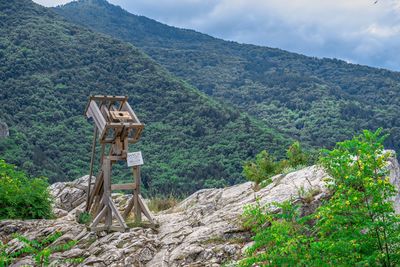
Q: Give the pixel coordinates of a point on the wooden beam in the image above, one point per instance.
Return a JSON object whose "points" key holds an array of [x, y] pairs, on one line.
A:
{"points": [[116, 213], [145, 210], [107, 190], [109, 97], [128, 208], [98, 217], [91, 168], [129, 186]]}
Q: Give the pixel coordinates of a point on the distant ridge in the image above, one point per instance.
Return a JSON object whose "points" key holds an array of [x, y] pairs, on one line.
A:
{"points": [[50, 67], [319, 101]]}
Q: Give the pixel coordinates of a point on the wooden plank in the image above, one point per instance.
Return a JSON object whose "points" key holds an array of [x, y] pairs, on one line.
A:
{"points": [[128, 108], [108, 228], [109, 97], [125, 124], [98, 217], [129, 186], [96, 189], [117, 214], [145, 210], [95, 113]]}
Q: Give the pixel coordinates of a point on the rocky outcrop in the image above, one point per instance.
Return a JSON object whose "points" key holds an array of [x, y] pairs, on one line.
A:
{"points": [[203, 230], [4, 132]]}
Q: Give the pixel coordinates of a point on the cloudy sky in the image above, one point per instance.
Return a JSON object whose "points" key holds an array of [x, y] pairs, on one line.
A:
{"points": [[359, 31]]}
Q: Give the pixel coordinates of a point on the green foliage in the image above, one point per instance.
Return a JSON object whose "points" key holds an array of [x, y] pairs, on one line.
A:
{"points": [[50, 67], [316, 101], [41, 250], [261, 169], [265, 166], [84, 217], [22, 197], [296, 156], [357, 226]]}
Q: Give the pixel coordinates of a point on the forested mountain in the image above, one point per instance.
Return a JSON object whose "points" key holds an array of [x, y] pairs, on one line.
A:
{"points": [[49, 67], [318, 101]]}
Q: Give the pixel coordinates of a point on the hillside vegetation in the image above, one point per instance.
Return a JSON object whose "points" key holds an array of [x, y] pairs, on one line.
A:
{"points": [[318, 101], [48, 69]]}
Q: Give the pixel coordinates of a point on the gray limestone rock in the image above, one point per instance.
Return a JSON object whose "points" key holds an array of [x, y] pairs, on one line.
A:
{"points": [[203, 230]]}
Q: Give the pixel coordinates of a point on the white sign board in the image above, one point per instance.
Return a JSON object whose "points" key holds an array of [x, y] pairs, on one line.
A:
{"points": [[134, 159]]}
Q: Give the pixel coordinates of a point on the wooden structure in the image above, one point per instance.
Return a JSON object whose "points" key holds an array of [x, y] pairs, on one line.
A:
{"points": [[116, 125]]}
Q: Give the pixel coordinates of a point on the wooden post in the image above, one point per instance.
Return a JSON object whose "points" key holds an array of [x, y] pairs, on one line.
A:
{"points": [[136, 194], [107, 190], [91, 168]]}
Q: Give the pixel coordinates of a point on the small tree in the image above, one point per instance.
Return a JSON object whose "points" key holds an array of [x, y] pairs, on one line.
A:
{"points": [[358, 224], [296, 156], [261, 169]]}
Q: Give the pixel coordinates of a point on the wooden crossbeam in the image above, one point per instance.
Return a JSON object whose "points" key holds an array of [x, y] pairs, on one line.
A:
{"points": [[130, 186]]}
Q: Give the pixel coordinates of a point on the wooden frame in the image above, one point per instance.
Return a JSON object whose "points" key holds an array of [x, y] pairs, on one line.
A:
{"points": [[116, 125]]}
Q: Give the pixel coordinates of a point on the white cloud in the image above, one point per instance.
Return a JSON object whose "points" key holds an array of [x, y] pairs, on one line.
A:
{"points": [[356, 30]]}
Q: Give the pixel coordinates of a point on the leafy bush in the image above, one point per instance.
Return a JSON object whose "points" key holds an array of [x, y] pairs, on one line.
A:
{"points": [[261, 169], [22, 197], [265, 166], [84, 217], [357, 226]]}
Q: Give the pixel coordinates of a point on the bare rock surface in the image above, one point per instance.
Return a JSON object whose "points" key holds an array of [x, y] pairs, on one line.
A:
{"points": [[203, 230]]}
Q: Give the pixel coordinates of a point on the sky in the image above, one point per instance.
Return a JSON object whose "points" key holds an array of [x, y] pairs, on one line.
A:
{"points": [[358, 31]]}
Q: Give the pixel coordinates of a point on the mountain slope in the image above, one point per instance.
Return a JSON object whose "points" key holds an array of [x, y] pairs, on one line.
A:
{"points": [[48, 69], [318, 101]]}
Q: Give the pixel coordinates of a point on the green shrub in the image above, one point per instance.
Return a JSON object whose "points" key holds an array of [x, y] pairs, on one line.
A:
{"points": [[261, 169], [357, 226], [40, 250], [265, 166], [296, 156], [84, 218], [22, 197]]}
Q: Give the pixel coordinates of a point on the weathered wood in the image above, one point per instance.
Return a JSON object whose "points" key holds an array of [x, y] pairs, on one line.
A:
{"points": [[91, 168], [117, 125], [136, 193], [108, 228], [128, 208], [96, 189], [99, 216], [129, 186], [109, 97], [117, 214], [107, 190], [128, 108], [95, 113], [145, 210]]}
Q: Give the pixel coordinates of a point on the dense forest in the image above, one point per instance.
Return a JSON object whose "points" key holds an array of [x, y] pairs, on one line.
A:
{"points": [[317, 101], [48, 69]]}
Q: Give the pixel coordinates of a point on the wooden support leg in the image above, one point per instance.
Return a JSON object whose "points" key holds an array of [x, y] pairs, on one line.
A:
{"points": [[91, 168], [107, 190], [136, 193]]}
